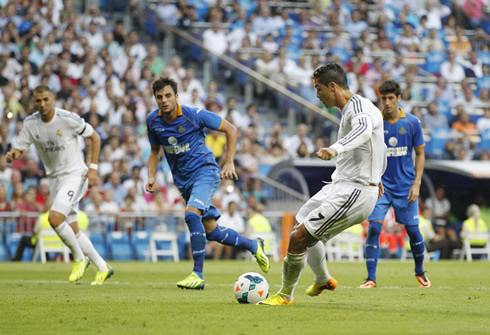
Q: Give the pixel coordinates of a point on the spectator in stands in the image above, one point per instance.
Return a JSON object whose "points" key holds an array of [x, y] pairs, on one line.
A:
{"points": [[441, 207], [432, 42], [475, 11], [473, 66], [452, 71], [31, 175], [5, 171], [432, 119], [226, 193], [374, 74], [482, 124], [4, 204], [461, 46], [95, 202], [215, 40], [407, 39], [118, 192], [469, 100], [474, 224], [480, 40], [447, 92], [293, 143], [168, 13], [108, 205], [356, 26], [435, 12]]}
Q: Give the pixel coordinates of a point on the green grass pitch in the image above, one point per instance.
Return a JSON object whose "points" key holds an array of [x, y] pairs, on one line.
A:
{"points": [[142, 298]]}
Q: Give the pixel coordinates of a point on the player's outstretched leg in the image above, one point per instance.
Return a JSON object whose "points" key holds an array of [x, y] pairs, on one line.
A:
{"points": [[372, 253], [317, 261], [195, 281], [229, 236]]}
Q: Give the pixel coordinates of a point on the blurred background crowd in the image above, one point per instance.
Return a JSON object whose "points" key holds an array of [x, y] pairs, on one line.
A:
{"points": [[100, 58]]}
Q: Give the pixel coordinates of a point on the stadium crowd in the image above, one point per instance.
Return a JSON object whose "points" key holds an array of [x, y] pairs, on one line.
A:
{"points": [[438, 51]]}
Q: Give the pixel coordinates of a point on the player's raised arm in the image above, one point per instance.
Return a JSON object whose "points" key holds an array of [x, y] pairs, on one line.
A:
{"points": [[13, 155], [228, 170], [152, 164]]}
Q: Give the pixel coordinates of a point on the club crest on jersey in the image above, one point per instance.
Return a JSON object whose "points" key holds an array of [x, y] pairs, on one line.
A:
{"points": [[181, 129], [402, 130], [59, 133], [393, 141]]}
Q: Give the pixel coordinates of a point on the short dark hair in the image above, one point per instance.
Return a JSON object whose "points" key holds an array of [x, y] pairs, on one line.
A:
{"points": [[42, 89], [390, 86], [331, 73], [161, 82]]}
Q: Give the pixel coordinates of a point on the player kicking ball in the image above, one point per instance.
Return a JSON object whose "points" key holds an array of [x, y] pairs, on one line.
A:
{"points": [[403, 135], [54, 132], [179, 130], [350, 198]]}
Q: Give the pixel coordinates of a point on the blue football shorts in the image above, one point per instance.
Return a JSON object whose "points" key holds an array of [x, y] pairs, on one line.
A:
{"points": [[200, 193], [407, 214]]}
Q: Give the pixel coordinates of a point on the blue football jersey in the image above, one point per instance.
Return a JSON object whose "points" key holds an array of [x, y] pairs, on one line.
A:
{"points": [[401, 138], [183, 140]]}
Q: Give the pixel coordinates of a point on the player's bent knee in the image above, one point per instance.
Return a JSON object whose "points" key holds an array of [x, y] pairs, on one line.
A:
{"points": [[55, 218], [299, 240]]}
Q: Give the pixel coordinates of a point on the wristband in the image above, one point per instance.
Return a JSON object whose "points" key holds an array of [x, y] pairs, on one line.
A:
{"points": [[93, 166]]}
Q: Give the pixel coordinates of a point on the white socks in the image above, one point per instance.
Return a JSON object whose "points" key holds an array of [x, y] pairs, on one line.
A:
{"points": [[89, 250], [67, 235], [317, 260], [292, 267]]}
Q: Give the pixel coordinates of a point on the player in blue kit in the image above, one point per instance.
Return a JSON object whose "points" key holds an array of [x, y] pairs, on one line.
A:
{"points": [[401, 181], [180, 131]]}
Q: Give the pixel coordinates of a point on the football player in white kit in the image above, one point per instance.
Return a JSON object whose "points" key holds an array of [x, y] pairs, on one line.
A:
{"points": [[54, 132], [356, 184]]}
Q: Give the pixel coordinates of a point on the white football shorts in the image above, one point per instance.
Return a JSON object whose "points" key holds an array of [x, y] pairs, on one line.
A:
{"points": [[66, 192], [336, 207]]}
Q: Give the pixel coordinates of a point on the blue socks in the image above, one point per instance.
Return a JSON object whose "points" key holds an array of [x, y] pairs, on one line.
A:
{"points": [[228, 236], [198, 241], [418, 247], [372, 248]]}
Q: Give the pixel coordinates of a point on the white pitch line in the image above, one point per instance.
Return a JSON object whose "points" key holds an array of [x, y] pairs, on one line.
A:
{"points": [[173, 284]]}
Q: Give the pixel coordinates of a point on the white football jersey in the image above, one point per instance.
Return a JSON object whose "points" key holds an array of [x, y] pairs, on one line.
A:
{"points": [[56, 141], [361, 146]]}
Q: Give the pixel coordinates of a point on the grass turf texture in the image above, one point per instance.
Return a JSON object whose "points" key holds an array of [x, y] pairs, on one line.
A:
{"points": [[142, 298]]}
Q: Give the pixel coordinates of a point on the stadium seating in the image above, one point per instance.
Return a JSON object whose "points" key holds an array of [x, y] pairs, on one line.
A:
{"points": [[436, 146], [164, 244], [3, 251], [119, 246], [98, 240], [468, 251], [433, 61], [345, 245], [49, 241], [485, 140], [140, 241]]}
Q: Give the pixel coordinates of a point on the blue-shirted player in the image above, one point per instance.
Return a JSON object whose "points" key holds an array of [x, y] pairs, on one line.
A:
{"points": [[180, 131], [401, 180]]}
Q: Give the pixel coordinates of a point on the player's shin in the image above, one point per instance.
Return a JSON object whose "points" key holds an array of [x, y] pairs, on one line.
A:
{"points": [[89, 251], [372, 249], [318, 263], [418, 247], [292, 268], [229, 236], [198, 241], [68, 237]]}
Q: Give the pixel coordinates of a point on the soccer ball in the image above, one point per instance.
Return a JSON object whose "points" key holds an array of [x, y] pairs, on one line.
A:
{"points": [[250, 288]]}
